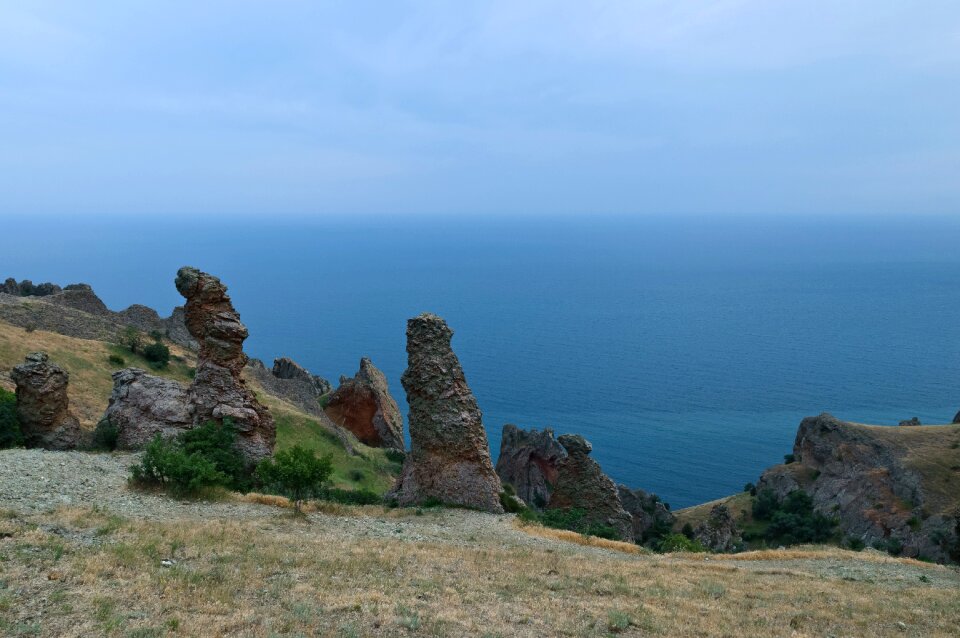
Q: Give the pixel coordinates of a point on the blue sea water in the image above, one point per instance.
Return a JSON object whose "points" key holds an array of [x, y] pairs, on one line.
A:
{"points": [[686, 350]]}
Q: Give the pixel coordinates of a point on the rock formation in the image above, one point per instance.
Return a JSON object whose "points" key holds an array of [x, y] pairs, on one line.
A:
{"points": [[449, 459], [27, 288], [870, 481], [143, 406], [218, 391], [913, 421], [363, 405], [288, 369], [43, 406], [719, 532], [956, 418], [647, 512], [529, 462], [582, 484]]}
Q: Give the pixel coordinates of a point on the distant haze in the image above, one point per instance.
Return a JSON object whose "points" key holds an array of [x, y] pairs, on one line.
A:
{"points": [[494, 107]]}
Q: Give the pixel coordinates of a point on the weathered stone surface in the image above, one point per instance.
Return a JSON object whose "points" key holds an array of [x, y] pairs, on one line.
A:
{"points": [[143, 405], [81, 297], [529, 461], [176, 329], [913, 421], [719, 532], [43, 405], [10, 287], [363, 405], [143, 318], [218, 391], [582, 484], [289, 370], [449, 459], [857, 474], [647, 512]]}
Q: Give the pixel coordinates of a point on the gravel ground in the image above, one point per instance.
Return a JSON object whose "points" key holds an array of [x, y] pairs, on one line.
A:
{"points": [[33, 482]]}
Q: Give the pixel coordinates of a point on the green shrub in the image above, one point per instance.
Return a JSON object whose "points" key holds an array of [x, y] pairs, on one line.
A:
{"points": [[856, 544], [395, 456], [157, 354], [324, 400], [679, 543], [789, 458], [350, 497], [105, 436], [356, 475], [792, 520], [165, 464], [687, 530], [201, 458], [574, 519], [131, 339], [117, 360], [750, 487], [10, 434], [295, 473], [510, 502]]}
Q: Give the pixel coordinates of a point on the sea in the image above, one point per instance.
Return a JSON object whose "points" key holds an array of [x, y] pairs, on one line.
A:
{"points": [[685, 349]]}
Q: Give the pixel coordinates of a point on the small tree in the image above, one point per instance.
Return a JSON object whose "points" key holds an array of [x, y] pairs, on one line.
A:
{"points": [[10, 435], [157, 354], [296, 473], [131, 338]]}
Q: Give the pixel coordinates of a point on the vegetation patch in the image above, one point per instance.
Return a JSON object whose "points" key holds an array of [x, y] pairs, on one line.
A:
{"points": [[10, 434]]}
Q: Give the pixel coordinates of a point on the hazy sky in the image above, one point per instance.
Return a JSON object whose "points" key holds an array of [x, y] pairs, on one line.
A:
{"points": [[513, 106]]}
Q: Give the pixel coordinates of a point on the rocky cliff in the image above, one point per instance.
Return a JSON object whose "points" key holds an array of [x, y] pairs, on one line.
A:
{"points": [[882, 484], [43, 406]]}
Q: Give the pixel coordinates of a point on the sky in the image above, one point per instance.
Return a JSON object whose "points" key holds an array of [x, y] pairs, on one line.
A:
{"points": [[497, 107]]}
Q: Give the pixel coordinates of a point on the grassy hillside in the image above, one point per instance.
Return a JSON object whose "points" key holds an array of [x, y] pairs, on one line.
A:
{"points": [[90, 387]]}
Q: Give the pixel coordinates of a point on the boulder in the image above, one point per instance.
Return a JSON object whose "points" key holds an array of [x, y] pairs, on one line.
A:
{"points": [[143, 405], [581, 484], [908, 422], [43, 406], [218, 392], [719, 532], [363, 405], [647, 512], [449, 459], [529, 462]]}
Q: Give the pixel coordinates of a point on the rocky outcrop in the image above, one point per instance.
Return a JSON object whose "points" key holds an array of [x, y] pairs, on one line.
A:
{"points": [[908, 422], [956, 418], [719, 532], [449, 459], [43, 406], [363, 406], [27, 288], [288, 380], [648, 514], [860, 475], [81, 297], [143, 405], [529, 461], [218, 392], [289, 370], [581, 484], [176, 328]]}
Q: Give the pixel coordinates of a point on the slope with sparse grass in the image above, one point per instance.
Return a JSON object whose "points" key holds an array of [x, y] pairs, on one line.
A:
{"points": [[89, 365]]}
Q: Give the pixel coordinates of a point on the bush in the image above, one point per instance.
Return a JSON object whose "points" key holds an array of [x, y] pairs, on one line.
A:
{"points": [[117, 360], [792, 520], [217, 442], [166, 465], [687, 530], [131, 339], [679, 543], [350, 497], [789, 458], [574, 519], [196, 460], [157, 354], [750, 487], [105, 436], [10, 434], [396, 456], [295, 473], [30, 327], [856, 544], [510, 502]]}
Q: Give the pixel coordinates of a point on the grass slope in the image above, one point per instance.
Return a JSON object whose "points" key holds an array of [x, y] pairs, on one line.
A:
{"points": [[90, 387], [84, 572]]}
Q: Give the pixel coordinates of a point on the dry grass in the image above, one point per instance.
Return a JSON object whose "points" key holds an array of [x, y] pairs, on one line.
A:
{"points": [[83, 573], [86, 361], [567, 536]]}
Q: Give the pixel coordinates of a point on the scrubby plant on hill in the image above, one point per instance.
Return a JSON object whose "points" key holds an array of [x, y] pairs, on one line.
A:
{"points": [[105, 436], [296, 473], [791, 520], [196, 460], [10, 435]]}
